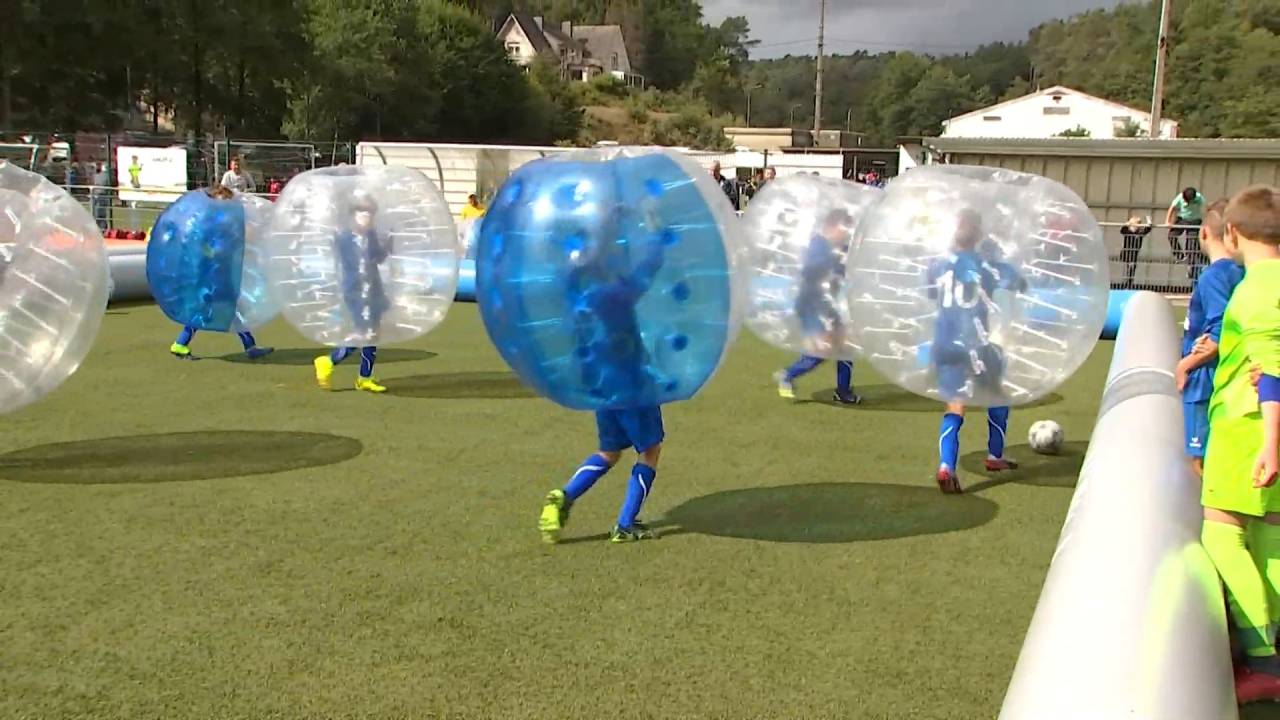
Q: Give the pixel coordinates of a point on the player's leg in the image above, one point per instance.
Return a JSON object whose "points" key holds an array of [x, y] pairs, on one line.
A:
{"points": [[949, 448], [251, 346], [1223, 536], [612, 439], [1264, 545], [365, 381], [844, 384], [181, 348], [952, 378], [997, 427], [786, 378], [644, 428], [1195, 418], [325, 363]]}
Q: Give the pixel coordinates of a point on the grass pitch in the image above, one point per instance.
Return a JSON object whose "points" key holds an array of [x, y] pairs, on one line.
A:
{"points": [[219, 539]]}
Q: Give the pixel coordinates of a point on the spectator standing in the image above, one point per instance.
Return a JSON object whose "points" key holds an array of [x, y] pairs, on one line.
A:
{"points": [[727, 186], [236, 179], [473, 209], [100, 195], [1133, 233], [1184, 217]]}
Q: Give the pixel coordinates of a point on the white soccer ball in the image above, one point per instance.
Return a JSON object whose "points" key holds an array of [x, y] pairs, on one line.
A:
{"points": [[1046, 437]]}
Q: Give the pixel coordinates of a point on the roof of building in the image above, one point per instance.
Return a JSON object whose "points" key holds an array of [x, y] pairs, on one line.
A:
{"points": [[602, 41], [1049, 92], [531, 30], [1133, 147]]}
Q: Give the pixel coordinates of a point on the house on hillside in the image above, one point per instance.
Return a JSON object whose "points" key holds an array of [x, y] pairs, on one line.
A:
{"points": [[583, 52], [1050, 113]]}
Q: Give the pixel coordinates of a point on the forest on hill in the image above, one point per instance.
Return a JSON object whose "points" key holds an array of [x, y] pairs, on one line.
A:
{"points": [[434, 70]]}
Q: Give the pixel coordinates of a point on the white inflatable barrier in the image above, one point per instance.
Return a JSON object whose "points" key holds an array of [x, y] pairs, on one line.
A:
{"points": [[1131, 622], [128, 265]]}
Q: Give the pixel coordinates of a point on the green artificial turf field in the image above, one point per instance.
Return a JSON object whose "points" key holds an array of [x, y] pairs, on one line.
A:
{"points": [[216, 539]]}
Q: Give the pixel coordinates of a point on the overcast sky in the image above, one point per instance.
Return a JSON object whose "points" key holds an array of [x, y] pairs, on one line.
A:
{"points": [[936, 26]]}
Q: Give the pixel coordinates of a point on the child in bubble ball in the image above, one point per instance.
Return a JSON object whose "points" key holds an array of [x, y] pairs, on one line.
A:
{"points": [[181, 347], [964, 358], [360, 251]]}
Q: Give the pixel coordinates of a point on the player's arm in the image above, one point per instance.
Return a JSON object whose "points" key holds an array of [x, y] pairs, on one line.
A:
{"points": [[1168, 216], [1262, 345], [1268, 462], [1214, 297]]}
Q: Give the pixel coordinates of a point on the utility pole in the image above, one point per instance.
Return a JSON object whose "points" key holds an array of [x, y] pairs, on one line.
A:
{"points": [[817, 90], [1162, 53]]}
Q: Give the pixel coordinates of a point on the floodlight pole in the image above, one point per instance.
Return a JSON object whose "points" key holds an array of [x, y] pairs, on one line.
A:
{"points": [[817, 90], [1162, 53]]}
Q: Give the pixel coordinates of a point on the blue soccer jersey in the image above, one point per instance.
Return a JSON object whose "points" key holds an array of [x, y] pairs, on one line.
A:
{"points": [[359, 254], [821, 276], [607, 328], [963, 283], [1204, 317]]}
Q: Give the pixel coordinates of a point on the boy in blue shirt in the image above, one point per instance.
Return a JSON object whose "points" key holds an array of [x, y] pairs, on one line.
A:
{"points": [[963, 355], [1203, 329], [359, 252], [604, 302], [821, 276]]}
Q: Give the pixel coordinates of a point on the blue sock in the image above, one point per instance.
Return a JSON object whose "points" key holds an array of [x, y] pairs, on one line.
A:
{"points": [[949, 439], [844, 378], [368, 356], [340, 354], [246, 339], [184, 337], [803, 366], [638, 489], [997, 424], [591, 470]]}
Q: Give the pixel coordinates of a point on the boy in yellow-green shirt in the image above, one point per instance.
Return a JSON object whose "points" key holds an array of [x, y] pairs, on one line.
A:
{"points": [[1241, 499]]}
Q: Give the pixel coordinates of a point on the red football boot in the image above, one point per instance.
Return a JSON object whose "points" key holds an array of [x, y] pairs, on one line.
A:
{"points": [[948, 482], [995, 465], [1253, 686]]}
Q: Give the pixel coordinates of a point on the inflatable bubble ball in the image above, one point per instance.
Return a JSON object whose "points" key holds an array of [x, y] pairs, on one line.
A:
{"points": [[800, 229], [978, 285], [363, 255], [206, 261], [611, 278], [53, 285]]}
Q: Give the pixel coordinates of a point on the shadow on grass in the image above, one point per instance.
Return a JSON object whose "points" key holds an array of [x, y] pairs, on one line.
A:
{"points": [[829, 513], [175, 457], [460, 386], [1260, 712], [892, 397], [1059, 470], [306, 356]]}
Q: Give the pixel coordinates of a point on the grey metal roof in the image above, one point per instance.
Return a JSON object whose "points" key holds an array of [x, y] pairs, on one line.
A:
{"points": [[532, 31], [1145, 148], [602, 42]]}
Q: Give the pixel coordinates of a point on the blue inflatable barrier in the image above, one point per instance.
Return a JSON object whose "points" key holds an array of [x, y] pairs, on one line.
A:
{"points": [[466, 280], [1116, 303]]}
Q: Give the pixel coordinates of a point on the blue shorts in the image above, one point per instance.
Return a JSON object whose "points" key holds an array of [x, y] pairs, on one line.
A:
{"points": [[1195, 417], [620, 429], [954, 373]]}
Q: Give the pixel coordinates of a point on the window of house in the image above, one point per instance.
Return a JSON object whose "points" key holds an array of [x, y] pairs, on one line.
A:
{"points": [[513, 48], [991, 118], [615, 61], [1057, 110]]}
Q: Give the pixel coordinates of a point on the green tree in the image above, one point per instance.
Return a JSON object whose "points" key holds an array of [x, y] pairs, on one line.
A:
{"points": [[1078, 131]]}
